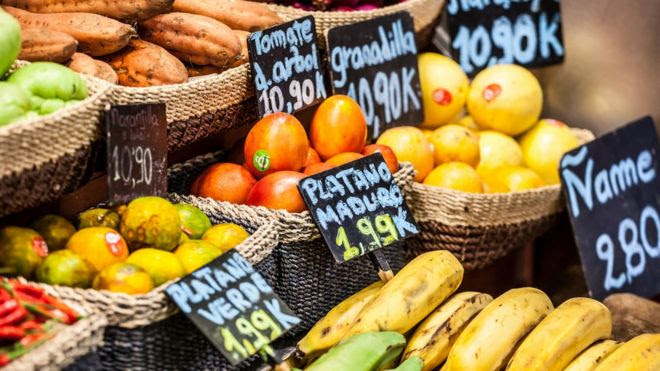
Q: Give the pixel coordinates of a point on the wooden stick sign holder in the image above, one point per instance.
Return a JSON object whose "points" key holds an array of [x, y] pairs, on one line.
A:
{"points": [[359, 210]]}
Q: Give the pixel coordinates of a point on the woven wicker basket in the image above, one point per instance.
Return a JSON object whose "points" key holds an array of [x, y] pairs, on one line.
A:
{"points": [[44, 158], [68, 345], [199, 108], [424, 13], [306, 275], [480, 228]]}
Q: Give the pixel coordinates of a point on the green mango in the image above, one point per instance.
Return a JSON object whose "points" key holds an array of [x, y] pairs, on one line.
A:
{"points": [[411, 364], [50, 106], [370, 351], [10, 41], [50, 80], [14, 102]]}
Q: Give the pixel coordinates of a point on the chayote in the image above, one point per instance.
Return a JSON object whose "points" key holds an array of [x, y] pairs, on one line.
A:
{"points": [[50, 105], [50, 80], [10, 41], [14, 102]]}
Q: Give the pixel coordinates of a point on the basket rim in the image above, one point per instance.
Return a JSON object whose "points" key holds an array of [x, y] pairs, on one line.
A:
{"points": [[348, 16]]}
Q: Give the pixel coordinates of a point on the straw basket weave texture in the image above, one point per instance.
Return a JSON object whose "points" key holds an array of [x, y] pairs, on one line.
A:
{"points": [[306, 275], [424, 13], [480, 228], [69, 344], [201, 107], [43, 158]]}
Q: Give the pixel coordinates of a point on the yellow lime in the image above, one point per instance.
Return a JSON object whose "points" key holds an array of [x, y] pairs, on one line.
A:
{"points": [[194, 254], [55, 230], [512, 179], [123, 277], [100, 246], [225, 236], [161, 265]]}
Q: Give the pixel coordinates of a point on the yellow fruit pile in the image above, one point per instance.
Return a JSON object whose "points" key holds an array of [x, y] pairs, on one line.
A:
{"points": [[129, 249], [519, 330], [481, 137]]}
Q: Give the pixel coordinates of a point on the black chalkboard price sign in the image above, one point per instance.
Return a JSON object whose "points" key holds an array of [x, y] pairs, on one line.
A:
{"points": [[482, 33], [137, 151], [233, 306], [613, 195], [357, 207], [286, 68], [375, 63]]}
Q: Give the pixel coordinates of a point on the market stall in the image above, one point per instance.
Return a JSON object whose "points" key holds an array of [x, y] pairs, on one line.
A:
{"points": [[318, 185]]}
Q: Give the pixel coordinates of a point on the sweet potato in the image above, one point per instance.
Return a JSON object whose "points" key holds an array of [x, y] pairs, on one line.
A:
{"points": [[193, 38], [245, 57], [127, 10], [83, 63], [146, 64], [96, 34], [237, 14], [46, 45], [196, 71]]}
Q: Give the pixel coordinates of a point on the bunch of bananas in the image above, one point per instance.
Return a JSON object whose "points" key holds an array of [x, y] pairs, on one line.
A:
{"points": [[519, 330]]}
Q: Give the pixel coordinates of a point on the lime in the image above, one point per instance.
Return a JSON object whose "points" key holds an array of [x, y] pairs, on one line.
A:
{"points": [[161, 265]]}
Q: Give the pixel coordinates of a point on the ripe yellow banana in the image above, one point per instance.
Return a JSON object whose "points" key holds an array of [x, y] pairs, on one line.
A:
{"points": [[411, 295], [641, 353], [433, 337], [489, 339], [327, 332], [562, 335], [592, 356]]}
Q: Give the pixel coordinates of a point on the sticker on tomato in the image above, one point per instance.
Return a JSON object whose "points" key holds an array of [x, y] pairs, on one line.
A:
{"points": [[115, 243], [39, 246]]}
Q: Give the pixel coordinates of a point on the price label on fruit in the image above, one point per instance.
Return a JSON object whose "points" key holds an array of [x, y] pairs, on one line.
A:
{"points": [[613, 196], [357, 207], [286, 68], [233, 306], [137, 151], [479, 34], [375, 63]]}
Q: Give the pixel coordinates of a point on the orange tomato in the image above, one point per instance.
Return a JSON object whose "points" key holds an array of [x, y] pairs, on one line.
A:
{"points": [[317, 168], [312, 157], [277, 142], [388, 155], [343, 158], [338, 126], [278, 191], [225, 182]]}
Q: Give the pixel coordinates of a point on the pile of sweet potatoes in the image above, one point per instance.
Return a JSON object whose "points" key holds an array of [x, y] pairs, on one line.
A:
{"points": [[165, 41]]}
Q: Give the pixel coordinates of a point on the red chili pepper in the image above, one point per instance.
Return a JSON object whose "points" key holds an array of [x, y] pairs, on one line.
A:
{"points": [[25, 298], [4, 295], [4, 359], [72, 314], [33, 291], [12, 333], [29, 340], [18, 314], [31, 325], [7, 307]]}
